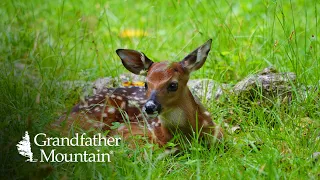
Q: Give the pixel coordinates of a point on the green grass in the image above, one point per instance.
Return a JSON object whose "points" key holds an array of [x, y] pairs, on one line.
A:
{"points": [[43, 43]]}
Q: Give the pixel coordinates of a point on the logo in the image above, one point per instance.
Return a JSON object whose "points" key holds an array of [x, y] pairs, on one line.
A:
{"points": [[41, 139], [24, 148]]}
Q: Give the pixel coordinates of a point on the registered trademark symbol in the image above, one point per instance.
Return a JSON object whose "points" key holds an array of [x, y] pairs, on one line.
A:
{"points": [[111, 152]]}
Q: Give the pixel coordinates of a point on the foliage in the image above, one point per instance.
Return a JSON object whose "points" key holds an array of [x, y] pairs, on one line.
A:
{"points": [[47, 42]]}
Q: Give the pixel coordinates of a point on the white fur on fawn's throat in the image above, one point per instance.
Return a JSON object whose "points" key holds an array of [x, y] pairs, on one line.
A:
{"points": [[173, 118]]}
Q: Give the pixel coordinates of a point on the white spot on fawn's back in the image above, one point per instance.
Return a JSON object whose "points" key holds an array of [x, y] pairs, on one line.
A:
{"points": [[133, 103], [123, 105], [207, 113], [111, 110], [143, 101], [97, 109]]}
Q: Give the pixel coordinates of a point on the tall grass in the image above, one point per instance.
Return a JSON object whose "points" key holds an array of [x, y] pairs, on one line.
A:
{"points": [[45, 43]]}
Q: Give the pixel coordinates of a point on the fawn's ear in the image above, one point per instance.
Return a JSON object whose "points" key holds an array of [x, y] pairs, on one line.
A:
{"points": [[135, 61], [196, 58]]}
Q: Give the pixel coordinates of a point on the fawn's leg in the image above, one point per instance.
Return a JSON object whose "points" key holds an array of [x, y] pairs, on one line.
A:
{"points": [[153, 132]]}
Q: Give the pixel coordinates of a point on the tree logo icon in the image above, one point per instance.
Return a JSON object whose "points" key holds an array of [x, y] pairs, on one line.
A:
{"points": [[24, 148]]}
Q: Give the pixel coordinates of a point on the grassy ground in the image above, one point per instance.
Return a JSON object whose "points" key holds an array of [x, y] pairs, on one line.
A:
{"points": [[44, 43]]}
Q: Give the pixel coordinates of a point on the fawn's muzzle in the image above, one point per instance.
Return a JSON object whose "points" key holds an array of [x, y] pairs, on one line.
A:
{"points": [[152, 106]]}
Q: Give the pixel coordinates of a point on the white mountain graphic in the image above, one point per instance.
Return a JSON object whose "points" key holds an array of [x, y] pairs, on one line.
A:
{"points": [[24, 147]]}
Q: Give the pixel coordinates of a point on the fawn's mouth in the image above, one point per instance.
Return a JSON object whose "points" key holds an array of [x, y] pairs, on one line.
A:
{"points": [[156, 114], [150, 115]]}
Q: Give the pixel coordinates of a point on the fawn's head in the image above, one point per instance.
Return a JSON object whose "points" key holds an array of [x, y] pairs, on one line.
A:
{"points": [[166, 82]]}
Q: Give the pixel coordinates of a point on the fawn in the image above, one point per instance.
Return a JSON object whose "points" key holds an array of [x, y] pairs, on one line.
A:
{"points": [[166, 100]]}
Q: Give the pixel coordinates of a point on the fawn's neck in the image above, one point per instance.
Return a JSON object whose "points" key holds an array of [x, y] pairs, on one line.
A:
{"points": [[185, 115]]}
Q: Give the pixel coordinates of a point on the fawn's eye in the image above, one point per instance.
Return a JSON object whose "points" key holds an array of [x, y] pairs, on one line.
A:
{"points": [[146, 85], [173, 86]]}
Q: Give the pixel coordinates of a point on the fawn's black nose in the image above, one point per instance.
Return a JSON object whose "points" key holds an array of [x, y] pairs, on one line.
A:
{"points": [[152, 108]]}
